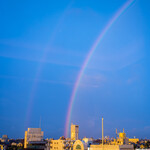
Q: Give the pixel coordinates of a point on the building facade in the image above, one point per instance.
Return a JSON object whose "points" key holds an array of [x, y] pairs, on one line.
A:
{"points": [[74, 132], [111, 147], [33, 135], [134, 140], [60, 144], [79, 145], [120, 143]]}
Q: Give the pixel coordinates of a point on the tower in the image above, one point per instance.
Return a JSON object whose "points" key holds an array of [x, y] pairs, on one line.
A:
{"points": [[74, 132]]}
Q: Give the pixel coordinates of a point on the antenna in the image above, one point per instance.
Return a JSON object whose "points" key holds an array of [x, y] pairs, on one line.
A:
{"points": [[40, 122], [116, 134], [102, 135]]}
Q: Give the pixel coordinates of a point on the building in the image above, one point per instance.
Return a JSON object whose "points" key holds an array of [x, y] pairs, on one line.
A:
{"points": [[74, 132], [79, 145], [4, 138], [111, 147], [3, 147], [60, 144], [133, 140], [64, 143], [120, 143], [87, 141], [121, 139], [19, 145], [33, 135]]}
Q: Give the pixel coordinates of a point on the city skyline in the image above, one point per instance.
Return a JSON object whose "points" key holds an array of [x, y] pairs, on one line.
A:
{"points": [[75, 61]]}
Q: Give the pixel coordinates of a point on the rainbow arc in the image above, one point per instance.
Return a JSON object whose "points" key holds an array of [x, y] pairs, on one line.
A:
{"points": [[88, 57]]}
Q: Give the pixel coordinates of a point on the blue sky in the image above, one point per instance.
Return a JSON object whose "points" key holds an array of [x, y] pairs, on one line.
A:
{"points": [[42, 48]]}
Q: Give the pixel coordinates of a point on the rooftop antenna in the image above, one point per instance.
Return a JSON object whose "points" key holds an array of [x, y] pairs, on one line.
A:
{"points": [[102, 135], [40, 122], [116, 134]]}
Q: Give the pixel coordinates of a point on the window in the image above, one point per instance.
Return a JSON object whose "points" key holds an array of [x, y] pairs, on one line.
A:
{"points": [[78, 147]]}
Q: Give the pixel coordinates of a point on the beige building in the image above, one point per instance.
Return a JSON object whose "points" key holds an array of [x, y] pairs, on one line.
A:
{"points": [[87, 140], [33, 135], [74, 132], [60, 144], [121, 143], [111, 147], [79, 145]]}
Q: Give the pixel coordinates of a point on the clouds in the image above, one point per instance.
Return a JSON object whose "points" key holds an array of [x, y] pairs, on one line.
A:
{"points": [[88, 81], [93, 81]]}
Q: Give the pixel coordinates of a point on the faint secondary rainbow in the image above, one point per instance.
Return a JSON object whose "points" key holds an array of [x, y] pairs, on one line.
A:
{"points": [[40, 67], [89, 55]]}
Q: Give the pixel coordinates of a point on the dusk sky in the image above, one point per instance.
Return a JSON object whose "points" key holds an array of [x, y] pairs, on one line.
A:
{"points": [[43, 46]]}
